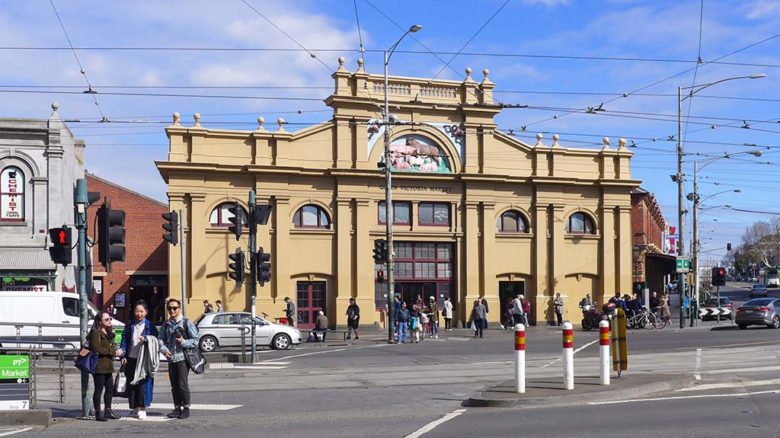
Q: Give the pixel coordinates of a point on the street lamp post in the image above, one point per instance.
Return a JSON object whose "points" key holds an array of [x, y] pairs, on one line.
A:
{"points": [[679, 177], [389, 191], [697, 200]]}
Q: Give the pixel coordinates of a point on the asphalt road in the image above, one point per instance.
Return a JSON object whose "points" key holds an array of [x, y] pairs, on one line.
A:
{"points": [[372, 389]]}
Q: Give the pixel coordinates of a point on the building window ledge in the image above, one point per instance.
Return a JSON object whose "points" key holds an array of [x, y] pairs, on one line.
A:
{"points": [[311, 231], [518, 235], [577, 237]]}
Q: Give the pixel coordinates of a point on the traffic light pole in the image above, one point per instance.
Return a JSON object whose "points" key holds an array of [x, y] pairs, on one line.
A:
{"points": [[389, 214], [183, 266], [253, 268], [81, 199]]}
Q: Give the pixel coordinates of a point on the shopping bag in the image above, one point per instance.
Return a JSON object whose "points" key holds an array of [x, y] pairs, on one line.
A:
{"points": [[120, 383]]}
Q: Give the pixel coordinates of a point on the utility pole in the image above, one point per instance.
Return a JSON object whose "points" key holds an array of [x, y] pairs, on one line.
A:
{"points": [[389, 214], [81, 198], [695, 248], [253, 268], [680, 206]]}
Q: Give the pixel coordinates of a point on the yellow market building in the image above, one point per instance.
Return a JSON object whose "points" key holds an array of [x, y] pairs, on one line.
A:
{"points": [[477, 212]]}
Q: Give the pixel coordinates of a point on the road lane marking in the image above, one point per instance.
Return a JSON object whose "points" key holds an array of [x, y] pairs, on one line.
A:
{"points": [[306, 354], [15, 431], [686, 397], [697, 368], [575, 352], [432, 425], [709, 386], [744, 370]]}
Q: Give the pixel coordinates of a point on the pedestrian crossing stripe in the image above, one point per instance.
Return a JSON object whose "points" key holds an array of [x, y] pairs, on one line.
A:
{"points": [[193, 407], [249, 366]]}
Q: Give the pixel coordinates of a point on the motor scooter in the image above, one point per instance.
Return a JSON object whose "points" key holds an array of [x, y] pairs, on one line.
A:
{"points": [[591, 316]]}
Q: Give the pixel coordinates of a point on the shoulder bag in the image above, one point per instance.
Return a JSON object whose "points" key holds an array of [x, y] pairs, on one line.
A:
{"points": [[195, 360]]}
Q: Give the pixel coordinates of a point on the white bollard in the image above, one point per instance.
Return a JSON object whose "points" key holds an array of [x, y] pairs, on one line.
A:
{"points": [[568, 356], [604, 352], [520, 359]]}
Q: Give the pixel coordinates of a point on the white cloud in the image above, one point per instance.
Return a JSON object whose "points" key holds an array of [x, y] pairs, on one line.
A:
{"points": [[763, 9]]}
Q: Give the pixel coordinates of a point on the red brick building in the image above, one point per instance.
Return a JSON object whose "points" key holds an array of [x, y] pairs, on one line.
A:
{"points": [[650, 264], [144, 273]]}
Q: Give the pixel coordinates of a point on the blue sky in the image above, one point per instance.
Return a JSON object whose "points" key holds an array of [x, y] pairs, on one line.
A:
{"points": [[558, 57]]}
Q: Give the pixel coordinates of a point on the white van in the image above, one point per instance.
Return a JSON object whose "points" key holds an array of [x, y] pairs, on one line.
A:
{"points": [[30, 307]]}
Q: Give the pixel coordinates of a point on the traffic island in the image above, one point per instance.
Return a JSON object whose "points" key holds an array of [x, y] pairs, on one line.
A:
{"points": [[549, 392], [26, 417]]}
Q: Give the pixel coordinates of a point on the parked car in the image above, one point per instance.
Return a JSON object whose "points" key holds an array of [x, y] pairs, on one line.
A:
{"points": [[759, 290], [760, 311], [56, 312], [224, 329], [725, 303]]}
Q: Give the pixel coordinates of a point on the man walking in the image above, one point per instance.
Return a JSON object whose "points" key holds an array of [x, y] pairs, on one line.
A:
{"points": [[353, 319], [396, 313], [290, 312], [559, 308], [403, 323], [518, 314], [176, 334], [207, 307]]}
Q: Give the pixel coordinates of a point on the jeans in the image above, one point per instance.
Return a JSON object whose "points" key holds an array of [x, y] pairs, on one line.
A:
{"points": [[403, 331], [102, 382], [178, 373], [135, 393], [434, 328]]}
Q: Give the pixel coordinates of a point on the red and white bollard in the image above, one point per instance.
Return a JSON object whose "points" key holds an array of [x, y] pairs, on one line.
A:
{"points": [[568, 356], [604, 352], [520, 359]]}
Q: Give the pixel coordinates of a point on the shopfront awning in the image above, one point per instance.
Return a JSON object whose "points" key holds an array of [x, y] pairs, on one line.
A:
{"points": [[25, 259]]}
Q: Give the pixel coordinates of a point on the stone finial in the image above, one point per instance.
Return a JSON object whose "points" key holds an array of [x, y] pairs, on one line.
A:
{"points": [[55, 106], [539, 143], [555, 141], [176, 119], [341, 64], [260, 121], [605, 141], [486, 76], [196, 116], [468, 75], [280, 121], [361, 68], [622, 144]]}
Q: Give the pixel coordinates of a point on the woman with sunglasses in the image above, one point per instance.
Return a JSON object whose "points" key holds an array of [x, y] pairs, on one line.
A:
{"points": [[134, 338], [101, 341], [176, 334]]}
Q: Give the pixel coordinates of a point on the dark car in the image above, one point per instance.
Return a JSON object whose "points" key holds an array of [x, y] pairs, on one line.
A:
{"points": [[758, 290], [760, 311]]}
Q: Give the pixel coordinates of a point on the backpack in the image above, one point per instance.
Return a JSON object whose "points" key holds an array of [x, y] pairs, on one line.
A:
{"points": [[526, 306]]}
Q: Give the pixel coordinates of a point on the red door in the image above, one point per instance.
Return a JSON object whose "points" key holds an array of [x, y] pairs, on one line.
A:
{"points": [[311, 299]]}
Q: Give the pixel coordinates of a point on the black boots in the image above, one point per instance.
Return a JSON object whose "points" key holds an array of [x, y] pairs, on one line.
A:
{"points": [[111, 415], [99, 416], [185, 413], [180, 413], [174, 413]]}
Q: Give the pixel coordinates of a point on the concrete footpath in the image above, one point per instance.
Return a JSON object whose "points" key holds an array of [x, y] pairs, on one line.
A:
{"points": [[549, 392]]}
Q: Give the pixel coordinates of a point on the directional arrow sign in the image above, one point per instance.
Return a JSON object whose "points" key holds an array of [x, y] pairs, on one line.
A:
{"points": [[683, 265]]}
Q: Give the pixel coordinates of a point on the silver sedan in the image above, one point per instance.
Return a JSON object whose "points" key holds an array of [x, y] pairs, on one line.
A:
{"points": [[759, 311], [225, 329]]}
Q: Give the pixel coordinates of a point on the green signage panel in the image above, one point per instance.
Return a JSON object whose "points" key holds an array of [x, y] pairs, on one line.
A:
{"points": [[683, 264], [15, 366]]}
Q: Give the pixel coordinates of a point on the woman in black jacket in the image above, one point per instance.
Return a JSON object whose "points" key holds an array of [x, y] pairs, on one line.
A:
{"points": [[101, 341]]}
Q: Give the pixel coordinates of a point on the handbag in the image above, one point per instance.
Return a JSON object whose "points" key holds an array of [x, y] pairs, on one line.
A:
{"points": [[195, 360], [120, 383], [86, 360]]}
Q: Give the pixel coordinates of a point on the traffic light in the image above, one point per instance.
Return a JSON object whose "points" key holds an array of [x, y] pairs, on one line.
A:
{"points": [[263, 267], [171, 227], [111, 235], [61, 252], [728, 247], [237, 267], [718, 276], [237, 220], [380, 251]]}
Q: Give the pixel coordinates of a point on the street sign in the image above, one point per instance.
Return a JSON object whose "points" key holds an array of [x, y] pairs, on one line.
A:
{"points": [[14, 382], [683, 265]]}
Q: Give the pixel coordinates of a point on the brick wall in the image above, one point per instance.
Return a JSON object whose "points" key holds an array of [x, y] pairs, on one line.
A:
{"points": [[146, 251]]}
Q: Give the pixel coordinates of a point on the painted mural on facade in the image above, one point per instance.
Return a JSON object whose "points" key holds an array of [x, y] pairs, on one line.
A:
{"points": [[414, 153]]}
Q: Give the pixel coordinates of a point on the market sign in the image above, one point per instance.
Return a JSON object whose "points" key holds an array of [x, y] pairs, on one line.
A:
{"points": [[14, 382]]}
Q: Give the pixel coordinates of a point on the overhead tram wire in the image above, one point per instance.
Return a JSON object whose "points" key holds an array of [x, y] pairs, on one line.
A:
{"points": [[81, 67], [695, 73], [749, 46], [311, 54], [362, 48], [471, 39]]}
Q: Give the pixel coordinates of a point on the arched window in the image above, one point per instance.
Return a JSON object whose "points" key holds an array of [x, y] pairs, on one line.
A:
{"points": [[512, 221], [220, 215], [12, 194], [580, 223], [311, 216]]}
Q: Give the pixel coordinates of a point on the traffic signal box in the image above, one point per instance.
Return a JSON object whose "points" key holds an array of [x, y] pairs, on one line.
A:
{"points": [[263, 267], [237, 267], [61, 251], [111, 235], [171, 227], [380, 251], [236, 220], [718, 276]]}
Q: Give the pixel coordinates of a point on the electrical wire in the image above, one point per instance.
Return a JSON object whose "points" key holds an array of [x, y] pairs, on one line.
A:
{"points": [[362, 49]]}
